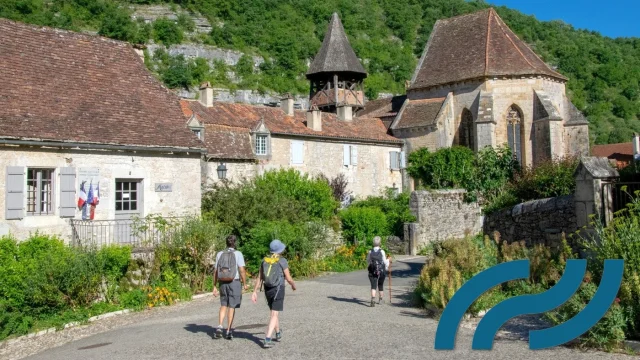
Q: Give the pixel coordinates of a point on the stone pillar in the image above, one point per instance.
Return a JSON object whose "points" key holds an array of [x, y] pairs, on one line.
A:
{"points": [[590, 175], [410, 232], [485, 122]]}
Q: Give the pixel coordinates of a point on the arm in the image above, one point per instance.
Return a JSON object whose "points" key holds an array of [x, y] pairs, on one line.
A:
{"points": [[287, 276], [254, 296], [215, 281], [243, 277], [387, 260]]}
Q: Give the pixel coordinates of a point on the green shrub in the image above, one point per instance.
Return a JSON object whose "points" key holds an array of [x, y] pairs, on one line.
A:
{"points": [[446, 168], [363, 223], [167, 32], [609, 332], [395, 208], [134, 299], [547, 179], [495, 167]]}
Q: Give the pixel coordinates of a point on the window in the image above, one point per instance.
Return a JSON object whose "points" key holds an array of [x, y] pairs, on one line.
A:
{"points": [[261, 144], [466, 129], [127, 195], [198, 133], [396, 160], [350, 155], [514, 128], [297, 152], [39, 191]]}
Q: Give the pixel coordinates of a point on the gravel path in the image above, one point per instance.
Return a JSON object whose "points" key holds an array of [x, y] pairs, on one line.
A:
{"points": [[325, 318]]}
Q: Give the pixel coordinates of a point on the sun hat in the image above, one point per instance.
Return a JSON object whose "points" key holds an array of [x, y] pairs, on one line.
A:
{"points": [[276, 246]]}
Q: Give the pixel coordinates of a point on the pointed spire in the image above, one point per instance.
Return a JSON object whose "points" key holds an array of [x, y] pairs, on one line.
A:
{"points": [[336, 54]]}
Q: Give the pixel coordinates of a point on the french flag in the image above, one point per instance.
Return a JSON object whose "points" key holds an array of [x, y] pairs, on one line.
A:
{"points": [[91, 200], [83, 196]]}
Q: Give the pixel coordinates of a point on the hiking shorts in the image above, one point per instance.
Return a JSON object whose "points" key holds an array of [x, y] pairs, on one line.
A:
{"points": [[377, 282], [231, 294], [275, 297]]}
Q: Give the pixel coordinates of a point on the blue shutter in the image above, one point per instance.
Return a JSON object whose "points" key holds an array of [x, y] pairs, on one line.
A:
{"points": [[14, 199], [403, 160], [297, 152], [393, 160], [354, 155], [346, 156], [67, 192]]}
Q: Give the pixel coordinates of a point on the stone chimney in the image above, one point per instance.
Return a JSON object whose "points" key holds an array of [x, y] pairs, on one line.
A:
{"points": [[206, 94], [636, 146], [345, 113], [287, 104], [314, 119]]}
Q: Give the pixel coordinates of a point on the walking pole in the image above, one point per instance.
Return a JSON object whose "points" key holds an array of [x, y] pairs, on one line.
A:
{"points": [[390, 280]]}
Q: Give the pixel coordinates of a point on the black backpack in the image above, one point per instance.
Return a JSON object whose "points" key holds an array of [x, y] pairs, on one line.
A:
{"points": [[376, 263]]}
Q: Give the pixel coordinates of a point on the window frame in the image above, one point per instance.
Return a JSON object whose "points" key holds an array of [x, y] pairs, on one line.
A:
{"points": [[261, 139], [38, 191], [139, 191]]}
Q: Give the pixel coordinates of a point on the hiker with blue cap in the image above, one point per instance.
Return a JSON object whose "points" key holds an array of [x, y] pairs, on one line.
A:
{"points": [[273, 272]]}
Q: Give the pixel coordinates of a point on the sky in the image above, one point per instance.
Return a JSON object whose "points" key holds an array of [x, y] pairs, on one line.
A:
{"points": [[613, 18]]}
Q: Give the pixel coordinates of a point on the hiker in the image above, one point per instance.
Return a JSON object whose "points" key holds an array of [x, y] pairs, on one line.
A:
{"points": [[229, 273], [378, 266], [273, 271]]}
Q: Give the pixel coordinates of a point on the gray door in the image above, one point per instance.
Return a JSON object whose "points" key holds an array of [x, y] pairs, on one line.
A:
{"points": [[128, 198]]}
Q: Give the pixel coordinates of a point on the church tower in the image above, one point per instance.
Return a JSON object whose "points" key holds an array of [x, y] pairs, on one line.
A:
{"points": [[336, 74]]}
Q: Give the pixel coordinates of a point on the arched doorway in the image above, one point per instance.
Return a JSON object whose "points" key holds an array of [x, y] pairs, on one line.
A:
{"points": [[514, 131], [465, 137]]}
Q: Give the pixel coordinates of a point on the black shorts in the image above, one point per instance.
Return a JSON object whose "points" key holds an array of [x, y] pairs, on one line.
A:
{"points": [[231, 294], [377, 282], [275, 297]]}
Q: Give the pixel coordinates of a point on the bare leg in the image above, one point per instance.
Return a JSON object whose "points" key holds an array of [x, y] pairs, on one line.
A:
{"points": [[277, 324], [231, 312], [222, 314], [273, 323], [373, 293]]}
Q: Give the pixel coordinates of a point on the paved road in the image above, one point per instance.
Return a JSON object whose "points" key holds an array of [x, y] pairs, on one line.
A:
{"points": [[327, 318]]}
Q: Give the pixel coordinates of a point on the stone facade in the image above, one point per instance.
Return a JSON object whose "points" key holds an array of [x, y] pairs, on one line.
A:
{"points": [[535, 222], [181, 171], [441, 215], [237, 170]]}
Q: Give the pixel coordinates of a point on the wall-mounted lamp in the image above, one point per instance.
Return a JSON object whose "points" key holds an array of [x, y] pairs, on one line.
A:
{"points": [[222, 171]]}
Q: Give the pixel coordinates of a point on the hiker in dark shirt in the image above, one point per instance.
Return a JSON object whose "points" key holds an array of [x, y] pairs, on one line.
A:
{"points": [[273, 271], [378, 267]]}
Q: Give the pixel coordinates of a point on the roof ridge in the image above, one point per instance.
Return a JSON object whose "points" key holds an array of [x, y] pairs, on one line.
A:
{"points": [[467, 14], [487, 39], [513, 42]]}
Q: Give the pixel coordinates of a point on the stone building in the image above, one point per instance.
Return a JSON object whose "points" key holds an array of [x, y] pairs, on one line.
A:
{"points": [[82, 112], [245, 140], [477, 84]]}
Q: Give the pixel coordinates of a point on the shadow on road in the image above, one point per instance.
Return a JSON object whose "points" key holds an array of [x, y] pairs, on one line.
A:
{"points": [[352, 300], [210, 330], [412, 272]]}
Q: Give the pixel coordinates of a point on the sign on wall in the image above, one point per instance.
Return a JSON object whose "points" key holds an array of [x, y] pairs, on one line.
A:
{"points": [[164, 187]]}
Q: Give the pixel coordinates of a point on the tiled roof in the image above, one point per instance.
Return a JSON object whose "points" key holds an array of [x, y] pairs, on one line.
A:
{"points": [[418, 113], [228, 142], [65, 86], [475, 46], [336, 54], [382, 108], [248, 116], [612, 149]]}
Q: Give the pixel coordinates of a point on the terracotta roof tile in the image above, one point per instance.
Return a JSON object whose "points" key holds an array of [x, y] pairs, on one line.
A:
{"points": [[65, 86], [248, 116], [475, 46], [382, 108], [228, 142], [612, 149], [419, 113]]}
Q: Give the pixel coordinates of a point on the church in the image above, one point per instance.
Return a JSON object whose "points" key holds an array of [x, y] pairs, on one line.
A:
{"points": [[476, 85]]}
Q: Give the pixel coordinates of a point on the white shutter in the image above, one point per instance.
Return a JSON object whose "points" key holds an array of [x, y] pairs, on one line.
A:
{"points": [[346, 156], [354, 155], [403, 160], [393, 160], [14, 199], [67, 192], [297, 152]]}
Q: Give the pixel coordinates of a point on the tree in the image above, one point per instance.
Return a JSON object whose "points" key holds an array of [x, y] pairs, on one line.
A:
{"points": [[167, 32]]}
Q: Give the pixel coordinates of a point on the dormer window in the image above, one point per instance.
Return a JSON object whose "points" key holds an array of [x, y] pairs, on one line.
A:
{"points": [[261, 144], [198, 133]]}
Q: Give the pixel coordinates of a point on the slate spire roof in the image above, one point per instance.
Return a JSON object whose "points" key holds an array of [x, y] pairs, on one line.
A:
{"points": [[336, 54], [477, 45]]}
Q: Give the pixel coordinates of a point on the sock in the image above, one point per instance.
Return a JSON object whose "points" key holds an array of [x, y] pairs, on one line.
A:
{"points": [[266, 339]]}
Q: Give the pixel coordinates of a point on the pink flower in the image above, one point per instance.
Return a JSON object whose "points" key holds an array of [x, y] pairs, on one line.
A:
{"points": [[617, 300]]}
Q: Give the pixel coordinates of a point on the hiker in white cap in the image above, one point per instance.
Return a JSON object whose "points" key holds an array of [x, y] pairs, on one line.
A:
{"points": [[273, 271], [378, 266]]}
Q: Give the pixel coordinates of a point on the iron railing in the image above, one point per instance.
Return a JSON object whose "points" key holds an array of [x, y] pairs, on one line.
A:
{"points": [[616, 196], [133, 232]]}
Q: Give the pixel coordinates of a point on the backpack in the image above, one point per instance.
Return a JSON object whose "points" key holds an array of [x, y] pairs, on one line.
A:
{"points": [[227, 266], [272, 273], [376, 263]]}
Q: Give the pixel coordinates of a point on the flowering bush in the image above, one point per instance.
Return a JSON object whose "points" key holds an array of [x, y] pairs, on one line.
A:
{"points": [[159, 296]]}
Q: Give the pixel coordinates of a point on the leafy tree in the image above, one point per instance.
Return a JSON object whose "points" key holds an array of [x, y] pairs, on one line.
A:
{"points": [[167, 32]]}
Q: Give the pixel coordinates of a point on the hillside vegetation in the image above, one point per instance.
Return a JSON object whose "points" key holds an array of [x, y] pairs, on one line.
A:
{"points": [[388, 35]]}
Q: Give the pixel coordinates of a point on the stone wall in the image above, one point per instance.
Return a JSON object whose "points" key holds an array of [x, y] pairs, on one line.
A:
{"points": [[236, 171], [441, 215], [183, 172], [536, 222]]}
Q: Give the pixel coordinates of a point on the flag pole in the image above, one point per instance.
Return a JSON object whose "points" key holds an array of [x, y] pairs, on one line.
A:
{"points": [[390, 262]]}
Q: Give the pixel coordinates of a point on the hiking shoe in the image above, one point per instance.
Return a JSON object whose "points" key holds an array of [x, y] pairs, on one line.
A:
{"points": [[381, 301], [373, 302], [279, 335], [218, 334], [268, 344], [229, 335]]}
